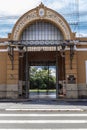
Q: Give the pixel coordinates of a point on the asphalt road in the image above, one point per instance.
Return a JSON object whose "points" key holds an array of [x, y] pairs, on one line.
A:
{"points": [[43, 120], [43, 115]]}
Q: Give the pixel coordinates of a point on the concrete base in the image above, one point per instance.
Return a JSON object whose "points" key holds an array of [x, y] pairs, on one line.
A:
{"points": [[12, 91], [3, 91], [9, 91], [12, 95], [82, 90], [71, 91], [3, 94]]}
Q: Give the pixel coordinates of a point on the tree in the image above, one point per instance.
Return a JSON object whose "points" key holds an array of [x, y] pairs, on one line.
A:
{"points": [[39, 78]]}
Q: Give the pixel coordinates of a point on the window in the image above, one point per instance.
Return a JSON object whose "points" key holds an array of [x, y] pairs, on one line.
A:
{"points": [[42, 31]]}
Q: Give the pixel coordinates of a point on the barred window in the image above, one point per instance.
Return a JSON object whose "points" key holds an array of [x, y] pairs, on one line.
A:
{"points": [[41, 30]]}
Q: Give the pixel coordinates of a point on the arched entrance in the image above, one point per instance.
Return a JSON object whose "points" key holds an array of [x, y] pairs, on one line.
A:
{"points": [[38, 36], [43, 37]]}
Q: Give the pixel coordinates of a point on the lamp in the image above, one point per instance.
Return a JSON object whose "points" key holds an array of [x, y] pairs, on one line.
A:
{"points": [[62, 50], [21, 50]]}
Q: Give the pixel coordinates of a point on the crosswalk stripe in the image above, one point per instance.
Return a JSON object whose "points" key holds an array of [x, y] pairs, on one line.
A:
{"points": [[42, 121], [32, 109], [43, 115], [47, 129]]}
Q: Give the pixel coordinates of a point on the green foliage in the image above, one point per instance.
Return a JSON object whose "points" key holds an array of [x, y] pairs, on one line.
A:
{"points": [[39, 78]]}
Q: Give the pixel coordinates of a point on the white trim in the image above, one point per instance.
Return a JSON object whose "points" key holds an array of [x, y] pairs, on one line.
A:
{"points": [[75, 48], [3, 50], [80, 49], [6, 50], [82, 43]]}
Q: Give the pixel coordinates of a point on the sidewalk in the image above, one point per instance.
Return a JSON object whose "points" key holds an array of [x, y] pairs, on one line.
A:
{"points": [[43, 105]]}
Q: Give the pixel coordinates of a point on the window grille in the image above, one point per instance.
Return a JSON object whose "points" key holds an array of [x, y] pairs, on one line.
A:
{"points": [[41, 30]]}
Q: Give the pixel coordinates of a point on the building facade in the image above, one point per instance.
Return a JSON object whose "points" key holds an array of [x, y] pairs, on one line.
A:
{"points": [[42, 36]]}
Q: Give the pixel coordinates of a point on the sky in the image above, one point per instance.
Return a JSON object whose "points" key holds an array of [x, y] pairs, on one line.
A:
{"points": [[51, 68], [74, 11]]}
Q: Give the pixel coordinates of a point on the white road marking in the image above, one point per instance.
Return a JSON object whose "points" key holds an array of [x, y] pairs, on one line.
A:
{"points": [[43, 115], [45, 129], [17, 109], [42, 121]]}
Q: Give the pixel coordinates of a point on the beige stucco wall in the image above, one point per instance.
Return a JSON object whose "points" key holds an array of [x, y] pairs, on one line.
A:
{"points": [[3, 67], [3, 73], [81, 71], [13, 76]]}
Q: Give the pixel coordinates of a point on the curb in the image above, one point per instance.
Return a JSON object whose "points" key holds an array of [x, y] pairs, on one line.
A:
{"points": [[25, 100]]}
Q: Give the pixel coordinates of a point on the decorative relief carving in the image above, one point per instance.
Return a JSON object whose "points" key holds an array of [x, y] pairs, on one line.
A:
{"points": [[52, 16], [34, 16], [26, 19]]}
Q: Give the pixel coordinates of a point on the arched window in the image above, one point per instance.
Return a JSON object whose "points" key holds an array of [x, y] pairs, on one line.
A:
{"points": [[41, 30]]}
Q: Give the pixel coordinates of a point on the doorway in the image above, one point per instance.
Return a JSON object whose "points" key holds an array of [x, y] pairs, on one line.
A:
{"points": [[39, 60]]}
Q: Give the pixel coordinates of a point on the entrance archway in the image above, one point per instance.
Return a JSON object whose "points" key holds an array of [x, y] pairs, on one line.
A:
{"points": [[42, 30], [42, 36], [41, 58]]}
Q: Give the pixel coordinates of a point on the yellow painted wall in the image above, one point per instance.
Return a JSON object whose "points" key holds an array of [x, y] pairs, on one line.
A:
{"points": [[81, 71], [3, 67]]}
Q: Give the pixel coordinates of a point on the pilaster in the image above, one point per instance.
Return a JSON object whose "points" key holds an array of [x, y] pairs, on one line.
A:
{"points": [[12, 76], [71, 76]]}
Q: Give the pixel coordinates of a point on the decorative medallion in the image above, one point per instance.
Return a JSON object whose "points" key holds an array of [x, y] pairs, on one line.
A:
{"points": [[41, 12]]}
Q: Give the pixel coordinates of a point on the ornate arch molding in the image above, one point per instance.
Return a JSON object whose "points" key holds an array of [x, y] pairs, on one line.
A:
{"points": [[41, 13]]}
